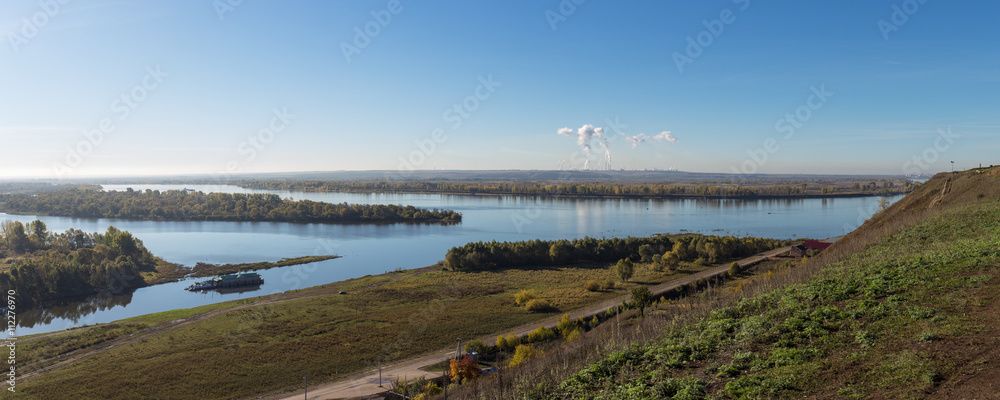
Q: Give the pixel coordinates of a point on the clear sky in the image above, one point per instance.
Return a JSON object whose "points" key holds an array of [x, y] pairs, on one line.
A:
{"points": [[202, 86]]}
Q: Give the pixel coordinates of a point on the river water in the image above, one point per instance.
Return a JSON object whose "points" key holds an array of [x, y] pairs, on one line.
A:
{"points": [[377, 248]]}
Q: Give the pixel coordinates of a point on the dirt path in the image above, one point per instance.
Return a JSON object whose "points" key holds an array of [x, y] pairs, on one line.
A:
{"points": [[367, 383]]}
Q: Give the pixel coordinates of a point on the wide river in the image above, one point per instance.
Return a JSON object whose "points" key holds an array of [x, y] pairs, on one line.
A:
{"points": [[377, 248]]}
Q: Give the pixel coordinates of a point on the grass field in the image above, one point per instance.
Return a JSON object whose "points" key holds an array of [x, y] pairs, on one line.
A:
{"points": [[237, 349]]}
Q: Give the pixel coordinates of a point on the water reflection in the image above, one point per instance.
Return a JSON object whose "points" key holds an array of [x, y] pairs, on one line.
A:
{"points": [[72, 310], [376, 248]]}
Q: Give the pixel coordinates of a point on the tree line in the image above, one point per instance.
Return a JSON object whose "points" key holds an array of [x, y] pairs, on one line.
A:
{"points": [[179, 205], [40, 265], [570, 189], [660, 249]]}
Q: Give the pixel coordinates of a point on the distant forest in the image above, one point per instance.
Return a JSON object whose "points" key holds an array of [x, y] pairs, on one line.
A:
{"points": [[696, 248], [569, 189], [177, 205], [40, 265]]}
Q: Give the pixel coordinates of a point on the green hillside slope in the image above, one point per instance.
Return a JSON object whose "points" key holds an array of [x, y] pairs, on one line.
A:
{"points": [[904, 307]]}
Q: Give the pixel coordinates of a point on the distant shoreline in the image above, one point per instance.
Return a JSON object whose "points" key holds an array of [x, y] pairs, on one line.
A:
{"points": [[620, 197]]}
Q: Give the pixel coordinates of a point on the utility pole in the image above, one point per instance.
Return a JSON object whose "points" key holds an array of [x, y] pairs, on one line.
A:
{"points": [[458, 352], [306, 379], [380, 370]]}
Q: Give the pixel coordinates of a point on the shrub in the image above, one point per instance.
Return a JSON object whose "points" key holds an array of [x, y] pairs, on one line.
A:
{"points": [[524, 296], [592, 286], [524, 353], [432, 389], [537, 305], [513, 340], [477, 346], [735, 269], [575, 333], [609, 284], [541, 334], [565, 324]]}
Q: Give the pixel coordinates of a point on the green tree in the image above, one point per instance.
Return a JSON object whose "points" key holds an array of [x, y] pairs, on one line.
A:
{"points": [[642, 297], [560, 252], [735, 269], [646, 253], [671, 261], [625, 269], [14, 236]]}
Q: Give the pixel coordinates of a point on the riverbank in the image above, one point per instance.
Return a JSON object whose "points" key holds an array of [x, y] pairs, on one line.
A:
{"points": [[267, 343], [206, 269]]}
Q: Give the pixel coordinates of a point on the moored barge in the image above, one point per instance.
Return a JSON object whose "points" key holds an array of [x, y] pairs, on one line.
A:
{"points": [[231, 280]]}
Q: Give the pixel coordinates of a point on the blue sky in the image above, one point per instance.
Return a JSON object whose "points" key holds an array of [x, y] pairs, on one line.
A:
{"points": [[264, 86]]}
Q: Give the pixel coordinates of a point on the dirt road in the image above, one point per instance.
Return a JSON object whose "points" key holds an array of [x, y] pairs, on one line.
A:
{"points": [[367, 384]]}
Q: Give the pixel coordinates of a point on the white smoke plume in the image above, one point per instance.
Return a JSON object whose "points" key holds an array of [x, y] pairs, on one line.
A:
{"points": [[640, 138], [584, 136]]}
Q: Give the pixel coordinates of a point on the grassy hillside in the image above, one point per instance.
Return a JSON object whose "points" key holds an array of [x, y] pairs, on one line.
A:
{"points": [[904, 307]]}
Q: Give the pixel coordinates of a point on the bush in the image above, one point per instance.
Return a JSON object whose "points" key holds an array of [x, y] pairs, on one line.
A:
{"points": [[541, 334], [432, 389], [735, 269], [574, 334], [524, 353], [537, 305], [565, 325], [513, 340], [508, 342], [524, 296], [477, 346], [592, 286], [609, 284]]}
